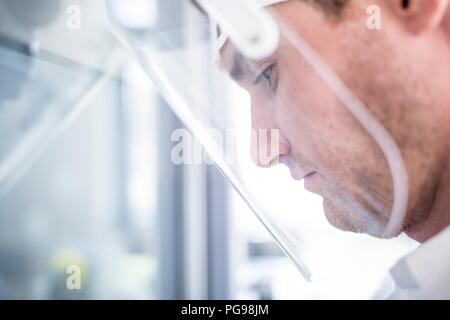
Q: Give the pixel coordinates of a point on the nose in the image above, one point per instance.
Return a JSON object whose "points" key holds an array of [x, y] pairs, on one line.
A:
{"points": [[267, 141]]}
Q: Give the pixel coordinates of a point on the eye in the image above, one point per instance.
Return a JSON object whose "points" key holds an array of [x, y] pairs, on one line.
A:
{"points": [[266, 75]]}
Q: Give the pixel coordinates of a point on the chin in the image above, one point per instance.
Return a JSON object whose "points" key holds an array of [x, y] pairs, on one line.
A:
{"points": [[345, 219]]}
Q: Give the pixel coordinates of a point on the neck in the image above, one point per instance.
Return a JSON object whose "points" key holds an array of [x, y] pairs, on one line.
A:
{"points": [[439, 217]]}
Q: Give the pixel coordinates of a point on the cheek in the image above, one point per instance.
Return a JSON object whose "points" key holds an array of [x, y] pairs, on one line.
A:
{"points": [[326, 134], [305, 113]]}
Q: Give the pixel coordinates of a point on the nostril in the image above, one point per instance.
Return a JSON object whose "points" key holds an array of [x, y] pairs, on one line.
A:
{"points": [[405, 4]]}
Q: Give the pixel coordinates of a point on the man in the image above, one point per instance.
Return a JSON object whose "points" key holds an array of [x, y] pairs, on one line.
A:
{"points": [[402, 75]]}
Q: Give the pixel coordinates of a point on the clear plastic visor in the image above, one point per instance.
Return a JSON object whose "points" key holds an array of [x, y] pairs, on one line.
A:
{"points": [[307, 154]]}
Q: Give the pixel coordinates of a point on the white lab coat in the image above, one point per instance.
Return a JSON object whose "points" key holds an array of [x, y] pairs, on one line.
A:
{"points": [[423, 274]]}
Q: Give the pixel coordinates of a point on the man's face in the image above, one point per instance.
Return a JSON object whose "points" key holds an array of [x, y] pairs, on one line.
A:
{"points": [[322, 142]]}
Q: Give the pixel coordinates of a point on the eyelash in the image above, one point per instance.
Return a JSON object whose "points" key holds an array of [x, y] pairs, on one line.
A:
{"points": [[265, 75]]}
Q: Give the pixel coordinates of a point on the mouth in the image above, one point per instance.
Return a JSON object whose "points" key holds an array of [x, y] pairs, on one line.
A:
{"points": [[296, 172], [310, 182]]}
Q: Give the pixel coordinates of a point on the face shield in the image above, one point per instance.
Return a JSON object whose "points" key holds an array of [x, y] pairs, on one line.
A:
{"points": [[257, 86], [53, 57]]}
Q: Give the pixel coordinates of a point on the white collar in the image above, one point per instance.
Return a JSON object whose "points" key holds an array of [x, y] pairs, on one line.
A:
{"points": [[427, 268]]}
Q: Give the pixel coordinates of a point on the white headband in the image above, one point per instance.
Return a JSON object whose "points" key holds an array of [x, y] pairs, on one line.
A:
{"points": [[222, 39]]}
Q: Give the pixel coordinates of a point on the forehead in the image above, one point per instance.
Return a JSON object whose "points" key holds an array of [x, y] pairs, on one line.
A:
{"points": [[228, 51], [291, 15], [233, 61]]}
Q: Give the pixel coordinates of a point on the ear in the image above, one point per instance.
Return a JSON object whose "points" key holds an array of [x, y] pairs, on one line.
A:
{"points": [[420, 16]]}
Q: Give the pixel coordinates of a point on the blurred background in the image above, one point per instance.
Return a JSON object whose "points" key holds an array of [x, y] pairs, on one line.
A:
{"points": [[86, 177]]}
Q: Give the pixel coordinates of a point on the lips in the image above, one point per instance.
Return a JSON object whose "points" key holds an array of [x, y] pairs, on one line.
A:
{"points": [[296, 172], [311, 183]]}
